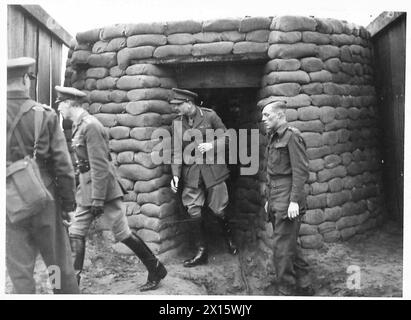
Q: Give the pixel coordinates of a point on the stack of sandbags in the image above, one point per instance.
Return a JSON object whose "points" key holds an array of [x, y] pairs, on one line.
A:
{"points": [[132, 104], [193, 38], [322, 69]]}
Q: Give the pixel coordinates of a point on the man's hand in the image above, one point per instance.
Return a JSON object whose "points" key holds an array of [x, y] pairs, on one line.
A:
{"points": [[97, 210], [67, 217], [174, 183], [204, 147], [293, 210]]}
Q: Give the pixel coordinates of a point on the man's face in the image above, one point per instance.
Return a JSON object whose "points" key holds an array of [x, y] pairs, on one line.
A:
{"points": [[270, 117], [65, 109], [183, 108]]}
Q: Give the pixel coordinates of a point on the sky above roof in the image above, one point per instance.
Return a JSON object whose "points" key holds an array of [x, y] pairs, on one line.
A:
{"points": [[82, 15]]}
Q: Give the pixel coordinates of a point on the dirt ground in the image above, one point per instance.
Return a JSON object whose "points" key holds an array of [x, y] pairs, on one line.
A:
{"points": [[369, 265]]}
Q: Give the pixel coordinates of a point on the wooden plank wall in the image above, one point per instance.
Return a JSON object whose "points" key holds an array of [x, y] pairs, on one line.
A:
{"points": [[389, 54], [26, 37]]}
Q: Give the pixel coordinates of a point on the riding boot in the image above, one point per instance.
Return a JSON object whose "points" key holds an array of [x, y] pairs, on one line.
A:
{"points": [[156, 270], [228, 234], [201, 256], [78, 248]]}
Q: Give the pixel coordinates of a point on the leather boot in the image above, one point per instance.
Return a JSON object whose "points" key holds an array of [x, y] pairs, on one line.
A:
{"points": [[78, 249], [201, 256], [156, 270], [228, 234]]}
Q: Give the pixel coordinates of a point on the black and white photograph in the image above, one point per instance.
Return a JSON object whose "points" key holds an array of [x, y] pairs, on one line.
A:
{"points": [[204, 150]]}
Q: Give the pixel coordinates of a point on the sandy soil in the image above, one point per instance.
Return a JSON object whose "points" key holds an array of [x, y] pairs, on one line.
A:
{"points": [[377, 256]]}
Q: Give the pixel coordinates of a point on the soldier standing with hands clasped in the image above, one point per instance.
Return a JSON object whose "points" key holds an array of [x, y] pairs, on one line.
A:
{"points": [[99, 192], [287, 172]]}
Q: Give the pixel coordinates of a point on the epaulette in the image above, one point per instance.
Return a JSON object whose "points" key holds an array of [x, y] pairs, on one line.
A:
{"points": [[294, 129], [298, 134], [88, 119], [207, 109]]}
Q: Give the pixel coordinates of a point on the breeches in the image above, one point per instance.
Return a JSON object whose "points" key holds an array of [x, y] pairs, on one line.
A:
{"points": [[216, 198], [113, 217]]}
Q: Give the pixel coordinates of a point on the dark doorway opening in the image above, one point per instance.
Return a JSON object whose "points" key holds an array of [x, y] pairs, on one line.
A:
{"points": [[237, 109]]}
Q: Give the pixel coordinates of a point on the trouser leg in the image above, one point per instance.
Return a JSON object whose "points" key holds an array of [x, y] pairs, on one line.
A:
{"points": [[53, 242], [217, 200], [20, 258], [285, 250]]}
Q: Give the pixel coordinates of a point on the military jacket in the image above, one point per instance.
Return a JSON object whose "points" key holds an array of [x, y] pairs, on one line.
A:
{"points": [[52, 155], [90, 143], [286, 157], [189, 170]]}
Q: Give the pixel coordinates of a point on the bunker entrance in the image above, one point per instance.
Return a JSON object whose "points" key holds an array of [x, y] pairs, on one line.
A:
{"points": [[237, 109], [231, 90]]}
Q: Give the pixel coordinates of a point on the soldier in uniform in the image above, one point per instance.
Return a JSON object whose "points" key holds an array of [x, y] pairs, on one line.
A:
{"points": [[44, 232], [287, 172], [99, 191], [202, 184]]}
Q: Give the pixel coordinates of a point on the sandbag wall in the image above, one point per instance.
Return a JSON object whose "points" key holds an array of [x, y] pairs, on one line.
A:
{"points": [[132, 102], [322, 68]]}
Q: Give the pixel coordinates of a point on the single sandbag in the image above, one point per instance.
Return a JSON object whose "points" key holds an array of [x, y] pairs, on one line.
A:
{"points": [[290, 51], [145, 28], [180, 38], [232, 36], [157, 106], [220, 25], [137, 172], [143, 120], [315, 37], [248, 24], [149, 94], [285, 76], [89, 36], [107, 59], [282, 65], [173, 50], [216, 48], [257, 36], [249, 47], [120, 132], [116, 44], [284, 37], [140, 81], [114, 31], [293, 23]]}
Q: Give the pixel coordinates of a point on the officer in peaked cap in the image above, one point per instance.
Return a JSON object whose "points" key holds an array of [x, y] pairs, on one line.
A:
{"points": [[44, 232], [202, 184], [100, 191], [180, 96], [68, 93], [19, 67]]}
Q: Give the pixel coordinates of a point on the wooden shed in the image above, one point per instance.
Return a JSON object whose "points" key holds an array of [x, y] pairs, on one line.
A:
{"points": [[32, 32], [388, 35]]}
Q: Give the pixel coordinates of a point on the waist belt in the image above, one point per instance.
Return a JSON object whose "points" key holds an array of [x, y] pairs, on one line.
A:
{"points": [[279, 180]]}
